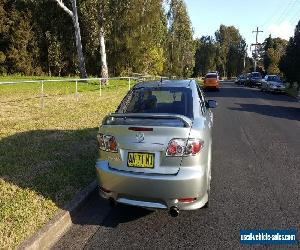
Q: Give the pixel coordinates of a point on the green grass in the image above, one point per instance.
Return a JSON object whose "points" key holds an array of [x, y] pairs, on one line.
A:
{"points": [[200, 81], [292, 92], [47, 155]]}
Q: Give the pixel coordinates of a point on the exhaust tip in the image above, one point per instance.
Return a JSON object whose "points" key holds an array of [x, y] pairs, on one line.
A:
{"points": [[174, 211]]}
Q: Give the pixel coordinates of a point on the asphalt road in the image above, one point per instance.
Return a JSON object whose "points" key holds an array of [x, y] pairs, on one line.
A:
{"points": [[255, 184]]}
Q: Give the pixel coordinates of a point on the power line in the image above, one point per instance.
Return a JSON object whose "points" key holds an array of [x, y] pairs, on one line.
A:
{"points": [[273, 14], [289, 7], [295, 17]]}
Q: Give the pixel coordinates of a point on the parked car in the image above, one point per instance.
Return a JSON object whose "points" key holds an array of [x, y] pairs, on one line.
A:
{"points": [[155, 151], [241, 79], [273, 83], [254, 79], [213, 72], [211, 81]]}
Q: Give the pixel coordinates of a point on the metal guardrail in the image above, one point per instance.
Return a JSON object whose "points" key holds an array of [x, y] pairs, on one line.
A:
{"points": [[100, 80]]}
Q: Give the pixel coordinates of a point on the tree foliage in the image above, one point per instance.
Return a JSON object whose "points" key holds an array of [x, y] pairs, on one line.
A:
{"points": [[225, 52], [290, 62], [141, 36], [180, 44], [37, 37], [273, 50], [205, 56]]}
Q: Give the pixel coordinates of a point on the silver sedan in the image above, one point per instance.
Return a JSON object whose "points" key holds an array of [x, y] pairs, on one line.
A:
{"points": [[155, 151], [272, 83]]}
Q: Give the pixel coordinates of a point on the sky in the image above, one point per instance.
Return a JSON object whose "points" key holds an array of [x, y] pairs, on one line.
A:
{"points": [[275, 17]]}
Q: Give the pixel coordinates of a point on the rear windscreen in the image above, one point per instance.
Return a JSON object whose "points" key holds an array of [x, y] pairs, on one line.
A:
{"points": [[211, 76], [274, 78], [256, 75], [166, 100]]}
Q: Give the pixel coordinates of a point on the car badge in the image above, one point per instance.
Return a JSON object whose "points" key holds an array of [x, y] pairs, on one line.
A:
{"points": [[140, 137]]}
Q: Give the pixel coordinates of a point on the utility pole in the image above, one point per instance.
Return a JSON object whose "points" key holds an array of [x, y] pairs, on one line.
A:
{"points": [[245, 57], [256, 44]]}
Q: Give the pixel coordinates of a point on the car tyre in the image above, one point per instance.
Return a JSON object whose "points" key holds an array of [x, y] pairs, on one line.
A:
{"points": [[112, 202], [206, 204]]}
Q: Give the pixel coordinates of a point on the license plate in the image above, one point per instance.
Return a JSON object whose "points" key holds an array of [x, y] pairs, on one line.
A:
{"points": [[140, 160]]}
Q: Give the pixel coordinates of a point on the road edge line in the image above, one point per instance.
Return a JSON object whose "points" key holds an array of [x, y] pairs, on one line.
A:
{"points": [[52, 231]]}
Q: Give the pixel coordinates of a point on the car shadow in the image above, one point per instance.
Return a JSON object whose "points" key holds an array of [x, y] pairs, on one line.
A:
{"points": [[123, 213], [56, 165], [290, 113], [98, 211], [53, 163]]}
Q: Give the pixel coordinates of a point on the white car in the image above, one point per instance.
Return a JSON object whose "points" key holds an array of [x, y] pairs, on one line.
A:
{"points": [[272, 83]]}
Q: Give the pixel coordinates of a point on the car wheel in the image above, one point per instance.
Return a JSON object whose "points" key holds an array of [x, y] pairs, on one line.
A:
{"points": [[112, 202]]}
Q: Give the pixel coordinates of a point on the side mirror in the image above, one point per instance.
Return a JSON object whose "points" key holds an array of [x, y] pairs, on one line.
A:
{"points": [[211, 104]]}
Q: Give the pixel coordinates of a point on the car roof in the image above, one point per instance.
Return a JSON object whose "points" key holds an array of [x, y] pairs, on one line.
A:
{"points": [[165, 83]]}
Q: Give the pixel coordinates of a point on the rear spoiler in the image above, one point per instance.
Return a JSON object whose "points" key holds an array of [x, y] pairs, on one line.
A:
{"points": [[187, 121]]}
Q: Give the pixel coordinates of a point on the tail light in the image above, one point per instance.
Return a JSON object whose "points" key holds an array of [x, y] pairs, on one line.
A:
{"points": [[187, 200], [107, 143], [184, 147]]}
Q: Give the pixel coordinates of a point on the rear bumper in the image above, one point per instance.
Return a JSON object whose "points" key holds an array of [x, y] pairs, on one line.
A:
{"points": [[154, 191], [277, 90], [211, 86], [255, 83]]}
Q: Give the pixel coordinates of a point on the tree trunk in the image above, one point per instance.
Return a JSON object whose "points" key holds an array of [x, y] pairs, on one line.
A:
{"points": [[82, 69], [104, 68], [224, 70]]}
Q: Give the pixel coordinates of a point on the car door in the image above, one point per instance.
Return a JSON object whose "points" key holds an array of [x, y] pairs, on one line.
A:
{"points": [[208, 117], [206, 112], [268, 82], [264, 82]]}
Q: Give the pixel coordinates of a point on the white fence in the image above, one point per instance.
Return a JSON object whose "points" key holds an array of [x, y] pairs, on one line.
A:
{"points": [[76, 81]]}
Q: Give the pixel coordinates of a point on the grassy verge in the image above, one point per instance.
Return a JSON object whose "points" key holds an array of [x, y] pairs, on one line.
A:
{"points": [[48, 155], [200, 82], [292, 92]]}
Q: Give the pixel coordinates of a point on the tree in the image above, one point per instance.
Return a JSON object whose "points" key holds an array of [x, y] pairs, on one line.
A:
{"points": [[231, 50], [274, 49], [101, 19], [95, 24], [205, 56], [181, 46], [4, 28], [290, 62], [74, 15], [55, 54], [136, 32]]}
